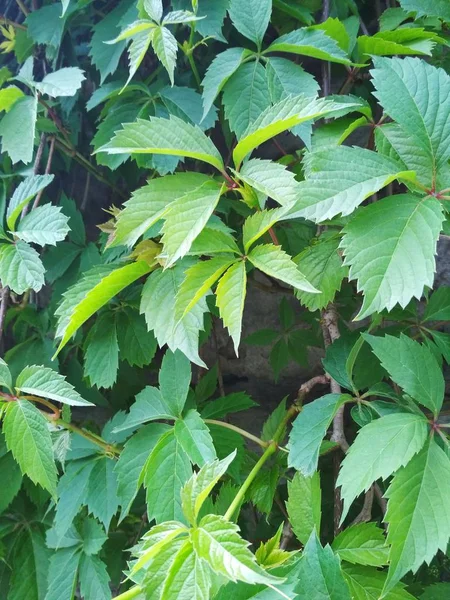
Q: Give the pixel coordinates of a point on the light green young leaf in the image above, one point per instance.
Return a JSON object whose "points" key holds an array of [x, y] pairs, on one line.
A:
{"points": [[154, 9], [390, 247], [408, 41], [218, 542], [180, 16], [423, 93], [259, 223], [164, 136], [322, 266], [429, 8], [101, 499], [101, 292], [320, 574], [137, 50], [157, 570], [43, 225], [340, 179], [418, 513], [155, 541], [21, 268], [200, 485], [185, 219], [166, 471], [150, 203], [273, 261], [412, 366], [310, 42], [230, 300], [174, 380], [251, 18], [272, 179], [366, 583], [28, 438], [189, 577], [362, 544], [158, 304], [245, 96], [131, 462], [23, 194], [94, 579], [47, 383], [17, 129], [380, 449], [198, 281], [101, 357], [165, 46], [195, 439], [304, 505], [64, 82], [133, 30], [218, 73], [308, 431], [62, 575], [8, 97]]}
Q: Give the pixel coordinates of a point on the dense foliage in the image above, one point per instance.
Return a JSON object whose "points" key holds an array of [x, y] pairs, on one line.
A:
{"points": [[291, 145]]}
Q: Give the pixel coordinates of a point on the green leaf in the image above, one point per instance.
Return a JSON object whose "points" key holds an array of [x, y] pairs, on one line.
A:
{"points": [[102, 499], [184, 102], [251, 18], [194, 437], [320, 574], [64, 82], [21, 268], [43, 225], [93, 536], [413, 367], [101, 357], [62, 575], [308, 431], [367, 584], [406, 229], [149, 406], [304, 505], [230, 300], [402, 42], [218, 542], [257, 224], [12, 483], [29, 566], [422, 92], [17, 129], [158, 304], [165, 46], [270, 178], [47, 383], [72, 492], [174, 380], [322, 266], [94, 579], [28, 438], [363, 544], [380, 449], [23, 194], [150, 203], [274, 262], [164, 136], [157, 571], [429, 8], [218, 73], [438, 306], [340, 179], [189, 578], [136, 344], [212, 241], [5, 375], [154, 9], [166, 471], [131, 463], [310, 42], [418, 512], [199, 486], [286, 78], [155, 540], [217, 409], [278, 118], [185, 219], [8, 97], [104, 288]]}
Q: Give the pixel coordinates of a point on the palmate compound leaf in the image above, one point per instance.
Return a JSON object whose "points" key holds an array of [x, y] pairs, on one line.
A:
{"points": [[413, 367], [423, 93], [21, 268], [28, 438], [164, 136], [23, 194], [86, 297], [151, 202], [273, 261], [380, 449], [308, 431], [390, 247], [339, 179], [199, 486], [362, 544], [230, 300], [284, 115], [47, 383], [158, 304], [304, 505], [418, 513], [217, 541]]}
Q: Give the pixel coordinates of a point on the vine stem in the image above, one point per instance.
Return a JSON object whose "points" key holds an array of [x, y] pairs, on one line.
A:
{"points": [[242, 432], [131, 593]]}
